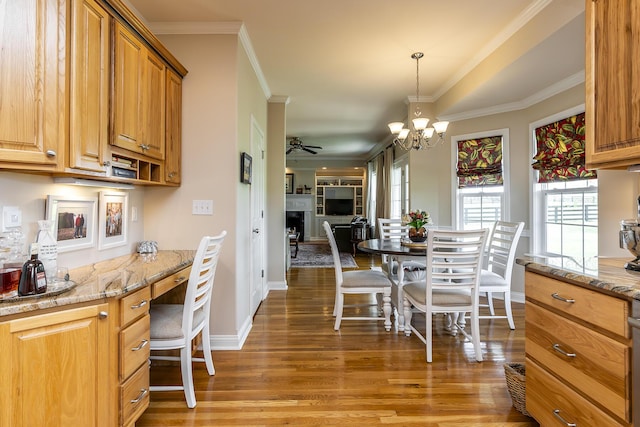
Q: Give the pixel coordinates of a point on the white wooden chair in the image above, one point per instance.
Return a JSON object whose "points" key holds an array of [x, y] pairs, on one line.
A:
{"points": [[454, 261], [496, 278], [174, 326], [358, 282]]}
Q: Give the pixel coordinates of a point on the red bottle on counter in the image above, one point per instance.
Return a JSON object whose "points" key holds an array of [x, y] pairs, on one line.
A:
{"points": [[33, 279]]}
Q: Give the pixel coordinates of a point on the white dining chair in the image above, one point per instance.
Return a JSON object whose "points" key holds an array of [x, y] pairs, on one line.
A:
{"points": [[496, 277], [454, 261], [175, 326], [353, 282]]}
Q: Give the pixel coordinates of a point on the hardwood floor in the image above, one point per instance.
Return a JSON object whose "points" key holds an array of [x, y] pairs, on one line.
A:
{"points": [[294, 369]]}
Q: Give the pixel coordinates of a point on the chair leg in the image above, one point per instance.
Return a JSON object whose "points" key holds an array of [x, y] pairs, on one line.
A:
{"points": [[206, 349], [429, 334], [507, 308], [386, 308], [187, 376], [475, 334], [337, 310], [492, 311]]}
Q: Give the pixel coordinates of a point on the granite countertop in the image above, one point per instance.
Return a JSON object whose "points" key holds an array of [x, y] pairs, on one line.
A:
{"points": [[111, 278], [604, 273]]}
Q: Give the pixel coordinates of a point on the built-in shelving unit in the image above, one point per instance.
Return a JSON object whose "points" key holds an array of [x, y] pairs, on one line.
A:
{"points": [[128, 167], [339, 187]]}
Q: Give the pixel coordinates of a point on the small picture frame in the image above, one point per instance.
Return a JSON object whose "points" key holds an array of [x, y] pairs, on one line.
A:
{"points": [[245, 168], [74, 221], [288, 183], [113, 219]]}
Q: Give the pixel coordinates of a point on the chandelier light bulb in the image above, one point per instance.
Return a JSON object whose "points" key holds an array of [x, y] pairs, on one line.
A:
{"points": [[440, 127], [420, 123], [396, 127], [403, 134]]}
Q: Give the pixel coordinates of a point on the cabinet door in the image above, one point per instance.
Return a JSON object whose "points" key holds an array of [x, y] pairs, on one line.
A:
{"points": [[54, 369], [153, 110], [128, 77], [173, 142], [32, 93], [613, 83], [89, 90]]}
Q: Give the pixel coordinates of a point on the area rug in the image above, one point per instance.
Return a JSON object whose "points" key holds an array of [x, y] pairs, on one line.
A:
{"points": [[312, 255]]}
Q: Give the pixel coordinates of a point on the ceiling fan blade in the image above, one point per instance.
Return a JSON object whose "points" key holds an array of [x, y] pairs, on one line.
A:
{"points": [[309, 151], [313, 146], [289, 150]]}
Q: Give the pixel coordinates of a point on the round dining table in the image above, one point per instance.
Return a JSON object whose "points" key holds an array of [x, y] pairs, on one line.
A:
{"points": [[399, 255]]}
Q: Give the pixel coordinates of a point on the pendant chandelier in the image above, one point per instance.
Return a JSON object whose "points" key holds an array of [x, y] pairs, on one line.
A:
{"points": [[420, 137]]}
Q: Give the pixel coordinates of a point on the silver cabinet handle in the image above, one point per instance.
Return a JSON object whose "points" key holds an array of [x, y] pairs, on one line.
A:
{"points": [[558, 297], [179, 279], [142, 304], [103, 315], [556, 413], [256, 230], [557, 348], [51, 153], [143, 393], [140, 346]]}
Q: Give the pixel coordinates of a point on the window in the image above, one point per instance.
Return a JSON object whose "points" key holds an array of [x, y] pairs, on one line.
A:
{"points": [[481, 179], [565, 193], [400, 188]]}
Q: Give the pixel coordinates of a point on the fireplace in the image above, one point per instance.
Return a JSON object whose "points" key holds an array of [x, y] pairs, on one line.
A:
{"points": [[296, 219]]}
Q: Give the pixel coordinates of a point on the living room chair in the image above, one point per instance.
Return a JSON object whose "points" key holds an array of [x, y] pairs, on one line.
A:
{"points": [[353, 282], [175, 326], [451, 284], [496, 278]]}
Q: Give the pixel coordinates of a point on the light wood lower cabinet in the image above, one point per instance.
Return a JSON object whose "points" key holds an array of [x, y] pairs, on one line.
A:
{"points": [[578, 354], [55, 369]]}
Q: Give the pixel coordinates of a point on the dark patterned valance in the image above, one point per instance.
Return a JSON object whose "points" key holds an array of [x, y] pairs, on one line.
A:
{"points": [[561, 155], [480, 162]]}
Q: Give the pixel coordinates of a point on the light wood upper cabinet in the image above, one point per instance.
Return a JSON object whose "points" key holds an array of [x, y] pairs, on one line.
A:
{"points": [[139, 81], [612, 83], [55, 369], [89, 86], [128, 85], [173, 138], [32, 93]]}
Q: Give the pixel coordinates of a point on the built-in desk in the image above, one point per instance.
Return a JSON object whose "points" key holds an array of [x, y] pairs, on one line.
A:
{"points": [[83, 355]]}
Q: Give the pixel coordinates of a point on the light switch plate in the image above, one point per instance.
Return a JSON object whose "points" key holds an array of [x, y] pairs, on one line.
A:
{"points": [[11, 217], [202, 207]]}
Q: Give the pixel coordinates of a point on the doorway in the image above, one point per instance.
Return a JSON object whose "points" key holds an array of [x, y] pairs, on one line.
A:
{"points": [[258, 283]]}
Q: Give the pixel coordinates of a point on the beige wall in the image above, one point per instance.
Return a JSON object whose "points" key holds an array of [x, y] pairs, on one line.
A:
{"points": [[29, 193], [220, 95]]}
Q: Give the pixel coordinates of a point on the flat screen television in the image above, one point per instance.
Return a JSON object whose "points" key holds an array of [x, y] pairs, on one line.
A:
{"points": [[338, 207]]}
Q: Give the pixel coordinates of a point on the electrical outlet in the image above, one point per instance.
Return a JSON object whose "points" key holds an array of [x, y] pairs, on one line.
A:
{"points": [[202, 207], [11, 217]]}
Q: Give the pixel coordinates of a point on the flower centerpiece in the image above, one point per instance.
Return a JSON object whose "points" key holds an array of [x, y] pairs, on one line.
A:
{"points": [[416, 220]]}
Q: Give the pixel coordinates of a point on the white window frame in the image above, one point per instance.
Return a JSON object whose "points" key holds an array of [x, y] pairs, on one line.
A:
{"points": [[537, 193], [400, 187], [456, 204]]}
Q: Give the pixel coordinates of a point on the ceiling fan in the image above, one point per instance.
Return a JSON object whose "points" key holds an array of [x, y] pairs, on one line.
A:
{"points": [[297, 144]]}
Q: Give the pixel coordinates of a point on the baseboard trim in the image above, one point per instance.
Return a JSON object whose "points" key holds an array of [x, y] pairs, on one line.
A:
{"points": [[231, 342], [278, 286]]}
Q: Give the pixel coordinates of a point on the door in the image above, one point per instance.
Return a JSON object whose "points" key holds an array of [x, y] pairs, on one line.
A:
{"points": [[258, 289]]}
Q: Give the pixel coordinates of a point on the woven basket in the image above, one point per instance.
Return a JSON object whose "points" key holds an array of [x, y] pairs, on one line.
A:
{"points": [[515, 375]]}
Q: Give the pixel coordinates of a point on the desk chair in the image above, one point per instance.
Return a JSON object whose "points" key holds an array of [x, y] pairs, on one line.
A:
{"points": [[358, 282], [454, 260], [175, 326]]}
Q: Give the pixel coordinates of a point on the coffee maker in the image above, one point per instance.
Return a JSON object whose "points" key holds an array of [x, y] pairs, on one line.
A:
{"points": [[630, 239]]}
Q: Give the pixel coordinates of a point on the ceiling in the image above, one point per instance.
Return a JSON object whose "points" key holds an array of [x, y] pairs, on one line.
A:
{"points": [[346, 65]]}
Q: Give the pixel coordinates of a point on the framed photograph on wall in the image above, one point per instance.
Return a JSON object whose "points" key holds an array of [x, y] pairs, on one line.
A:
{"points": [[113, 219], [288, 183], [74, 221], [245, 168]]}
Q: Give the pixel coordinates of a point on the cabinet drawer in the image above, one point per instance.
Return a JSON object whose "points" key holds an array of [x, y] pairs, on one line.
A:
{"points": [[593, 361], [134, 346], [170, 282], [548, 399], [134, 306], [134, 396], [601, 310]]}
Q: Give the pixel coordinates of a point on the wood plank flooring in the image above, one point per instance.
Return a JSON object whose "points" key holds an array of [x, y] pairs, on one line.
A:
{"points": [[294, 369]]}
